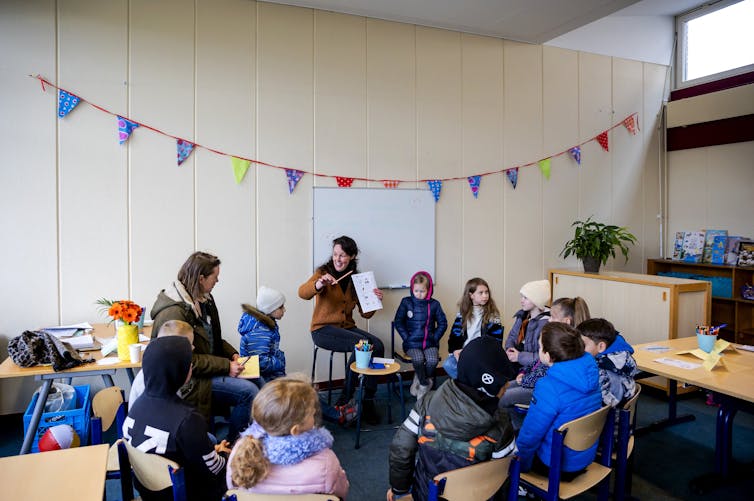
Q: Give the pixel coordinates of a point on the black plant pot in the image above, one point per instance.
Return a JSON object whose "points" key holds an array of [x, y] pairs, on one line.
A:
{"points": [[591, 264]]}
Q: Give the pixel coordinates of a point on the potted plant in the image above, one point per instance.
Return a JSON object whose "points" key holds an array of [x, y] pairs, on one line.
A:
{"points": [[594, 242]]}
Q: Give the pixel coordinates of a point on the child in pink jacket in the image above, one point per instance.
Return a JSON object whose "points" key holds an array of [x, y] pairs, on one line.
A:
{"points": [[283, 451]]}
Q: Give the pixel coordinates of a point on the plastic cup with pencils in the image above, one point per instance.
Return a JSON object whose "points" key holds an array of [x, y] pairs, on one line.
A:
{"points": [[363, 352]]}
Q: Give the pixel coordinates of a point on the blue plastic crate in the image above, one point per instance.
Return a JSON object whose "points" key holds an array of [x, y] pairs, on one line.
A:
{"points": [[78, 417], [721, 286]]}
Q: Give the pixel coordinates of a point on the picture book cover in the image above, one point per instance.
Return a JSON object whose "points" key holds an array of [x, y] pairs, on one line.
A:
{"points": [[693, 246], [731, 250], [709, 238], [717, 249], [746, 253], [678, 246]]}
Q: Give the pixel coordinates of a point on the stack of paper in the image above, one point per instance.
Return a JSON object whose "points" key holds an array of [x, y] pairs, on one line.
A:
{"points": [[68, 330], [84, 342]]}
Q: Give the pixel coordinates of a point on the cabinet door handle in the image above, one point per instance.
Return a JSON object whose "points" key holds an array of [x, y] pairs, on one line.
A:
{"points": [[556, 279], [664, 295]]}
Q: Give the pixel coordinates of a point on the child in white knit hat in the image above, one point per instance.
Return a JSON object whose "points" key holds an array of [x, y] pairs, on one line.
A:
{"points": [[522, 344]]}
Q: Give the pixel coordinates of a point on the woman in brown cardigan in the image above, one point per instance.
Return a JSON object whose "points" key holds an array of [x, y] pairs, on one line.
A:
{"points": [[333, 327]]}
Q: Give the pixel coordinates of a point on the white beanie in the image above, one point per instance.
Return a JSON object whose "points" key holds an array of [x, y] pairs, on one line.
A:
{"points": [[269, 300], [538, 292]]}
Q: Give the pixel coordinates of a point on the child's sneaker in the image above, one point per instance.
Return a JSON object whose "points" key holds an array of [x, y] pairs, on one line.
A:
{"points": [[414, 385], [423, 390], [347, 413]]}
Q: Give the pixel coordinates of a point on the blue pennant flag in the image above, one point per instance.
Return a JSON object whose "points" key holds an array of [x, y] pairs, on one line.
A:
{"points": [[435, 186], [184, 150], [576, 154], [512, 175], [474, 184], [294, 176], [125, 127], [66, 102]]}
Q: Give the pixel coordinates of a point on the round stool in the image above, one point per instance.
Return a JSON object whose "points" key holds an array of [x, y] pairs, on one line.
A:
{"points": [[329, 381], [390, 370]]}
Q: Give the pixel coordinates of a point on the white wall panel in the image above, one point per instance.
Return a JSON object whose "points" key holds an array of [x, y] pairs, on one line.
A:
{"points": [[649, 121]]}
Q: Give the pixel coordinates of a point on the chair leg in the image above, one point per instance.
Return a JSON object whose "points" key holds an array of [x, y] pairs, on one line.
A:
{"points": [[314, 360], [329, 381]]}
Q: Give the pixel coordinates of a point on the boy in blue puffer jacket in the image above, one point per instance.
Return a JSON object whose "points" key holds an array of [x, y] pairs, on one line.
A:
{"points": [[421, 323], [260, 333], [570, 390]]}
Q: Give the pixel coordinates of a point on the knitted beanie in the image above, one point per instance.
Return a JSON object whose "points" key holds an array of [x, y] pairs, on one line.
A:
{"points": [[269, 300], [538, 292]]}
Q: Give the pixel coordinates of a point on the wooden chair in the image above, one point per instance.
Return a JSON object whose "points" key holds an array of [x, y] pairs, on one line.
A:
{"points": [[397, 354], [154, 472], [477, 482], [240, 495], [579, 435], [625, 447], [108, 407]]}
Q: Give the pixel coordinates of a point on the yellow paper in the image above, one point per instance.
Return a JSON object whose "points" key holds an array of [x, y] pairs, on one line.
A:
{"points": [[722, 345], [251, 369], [712, 360]]}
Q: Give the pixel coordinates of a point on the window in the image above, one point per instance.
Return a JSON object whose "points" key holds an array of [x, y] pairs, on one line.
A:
{"points": [[715, 41]]}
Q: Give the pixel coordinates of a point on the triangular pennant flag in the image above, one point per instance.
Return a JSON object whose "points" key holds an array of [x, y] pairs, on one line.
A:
{"points": [[602, 139], [344, 182], [294, 176], [125, 127], [435, 187], [66, 102], [389, 183], [184, 150], [576, 154], [544, 166], [474, 184], [240, 166], [512, 175], [630, 125]]}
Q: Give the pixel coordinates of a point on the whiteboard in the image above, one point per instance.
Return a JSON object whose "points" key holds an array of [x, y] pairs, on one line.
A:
{"points": [[394, 229]]}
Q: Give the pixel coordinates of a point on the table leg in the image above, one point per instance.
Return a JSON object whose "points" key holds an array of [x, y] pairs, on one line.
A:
{"points": [[130, 373], [672, 418], [36, 416], [359, 408], [108, 380]]}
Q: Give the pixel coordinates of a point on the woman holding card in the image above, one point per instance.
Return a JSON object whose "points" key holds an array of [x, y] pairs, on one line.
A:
{"points": [[333, 327]]}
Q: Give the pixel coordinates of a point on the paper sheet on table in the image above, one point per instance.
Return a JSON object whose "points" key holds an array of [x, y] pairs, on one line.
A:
{"points": [[251, 367], [364, 283], [656, 348], [67, 330], [745, 347], [85, 342], [677, 363]]}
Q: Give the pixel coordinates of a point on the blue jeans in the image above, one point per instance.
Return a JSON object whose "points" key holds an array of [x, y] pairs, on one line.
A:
{"points": [[451, 366], [236, 393]]}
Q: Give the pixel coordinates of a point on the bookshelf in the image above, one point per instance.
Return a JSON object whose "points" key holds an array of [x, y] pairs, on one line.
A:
{"points": [[735, 311]]}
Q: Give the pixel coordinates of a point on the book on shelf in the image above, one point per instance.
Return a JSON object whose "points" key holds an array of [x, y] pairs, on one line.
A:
{"points": [[709, 239], [717, 249], [731, 250], [693, 246], [746, 253], [678, 245]]}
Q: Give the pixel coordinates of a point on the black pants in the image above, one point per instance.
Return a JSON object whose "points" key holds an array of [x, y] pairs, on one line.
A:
{"points": [[343, 341]]}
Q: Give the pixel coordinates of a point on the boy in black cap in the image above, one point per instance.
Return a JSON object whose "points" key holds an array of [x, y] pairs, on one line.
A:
{"points": [[159, 422], [457, 425]]}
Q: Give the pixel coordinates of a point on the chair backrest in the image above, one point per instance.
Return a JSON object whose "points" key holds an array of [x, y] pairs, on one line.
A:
{"points": [[152, 470], [630, 405], [106, 403], [582, 433], [241, 495], [477, 482]]}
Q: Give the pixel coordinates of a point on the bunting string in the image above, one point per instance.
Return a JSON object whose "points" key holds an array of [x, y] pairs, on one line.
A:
{"points": [[186, 146]]}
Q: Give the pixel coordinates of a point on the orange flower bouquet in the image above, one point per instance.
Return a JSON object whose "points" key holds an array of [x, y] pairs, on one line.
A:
{"points": [[126, 315]]}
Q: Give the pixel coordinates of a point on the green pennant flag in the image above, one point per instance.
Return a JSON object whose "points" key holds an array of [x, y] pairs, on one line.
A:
{"points": [[544, 166], [240, 166]]}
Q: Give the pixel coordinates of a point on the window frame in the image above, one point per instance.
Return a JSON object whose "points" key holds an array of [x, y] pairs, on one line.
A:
{"points": [[682, 49]]}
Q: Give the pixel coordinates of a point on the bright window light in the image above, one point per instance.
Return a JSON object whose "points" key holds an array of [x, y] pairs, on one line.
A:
{"points": [[716, 41]]}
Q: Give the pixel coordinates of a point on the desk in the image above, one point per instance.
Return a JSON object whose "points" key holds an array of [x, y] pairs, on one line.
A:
{"points": [[732, 384], [64, 475], [45, 373], [389, 370]]}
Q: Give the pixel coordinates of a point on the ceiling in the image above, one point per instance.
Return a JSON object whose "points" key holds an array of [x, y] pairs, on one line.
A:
{"points": [[533, 21]]}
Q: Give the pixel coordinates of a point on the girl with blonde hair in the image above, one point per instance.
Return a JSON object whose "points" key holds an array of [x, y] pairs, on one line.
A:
{"points": [[284, 451]]}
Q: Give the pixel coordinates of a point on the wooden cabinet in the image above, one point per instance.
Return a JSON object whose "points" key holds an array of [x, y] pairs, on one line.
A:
{"points": [[728, 306], [643, 308]]}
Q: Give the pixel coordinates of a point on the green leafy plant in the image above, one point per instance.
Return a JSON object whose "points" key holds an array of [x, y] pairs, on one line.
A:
{"points": [[598, 241]]}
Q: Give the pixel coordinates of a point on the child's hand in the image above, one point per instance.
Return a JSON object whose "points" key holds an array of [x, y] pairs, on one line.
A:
{"points": [[512, 354], [519, 378], [457, 354], [223, 446]]}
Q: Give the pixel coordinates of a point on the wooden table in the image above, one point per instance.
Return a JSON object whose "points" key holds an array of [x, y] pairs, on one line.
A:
{"points": [[45, 373], [389, 370], [731, 384], [65, 475]]}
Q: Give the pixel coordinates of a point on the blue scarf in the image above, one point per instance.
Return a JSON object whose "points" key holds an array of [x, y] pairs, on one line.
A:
{"points": [[290, 449]]}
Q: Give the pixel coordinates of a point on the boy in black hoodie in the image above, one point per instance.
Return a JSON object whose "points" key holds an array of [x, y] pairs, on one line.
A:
{"points": [[161, 423]]}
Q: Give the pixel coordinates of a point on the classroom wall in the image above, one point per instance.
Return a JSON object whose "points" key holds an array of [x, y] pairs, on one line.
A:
{"points": [[84, 218]]}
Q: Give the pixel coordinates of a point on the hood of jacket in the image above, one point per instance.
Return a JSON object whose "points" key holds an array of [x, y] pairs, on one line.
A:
{"points": [[619, 344], [456, 414], [174, 294], [429, 285], [580, 374], [166, 364], [258, 316]]}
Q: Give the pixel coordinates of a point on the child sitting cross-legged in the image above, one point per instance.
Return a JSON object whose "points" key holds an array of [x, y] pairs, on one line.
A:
{"points": [[614, 359], [284, 451]]}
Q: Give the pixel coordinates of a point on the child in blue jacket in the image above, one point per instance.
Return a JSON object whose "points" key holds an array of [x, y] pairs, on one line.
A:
{"points": [[421, 323], [260, 334], [570, 390]]}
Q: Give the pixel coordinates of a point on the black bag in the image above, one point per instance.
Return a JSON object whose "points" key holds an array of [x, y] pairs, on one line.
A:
{"points": [[37, 347]]}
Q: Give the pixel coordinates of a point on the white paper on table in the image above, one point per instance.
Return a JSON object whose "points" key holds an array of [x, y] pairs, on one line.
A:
{"points": [[80, 342], [677, 363], [745, 347], [656, 348], [364, 283]]}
